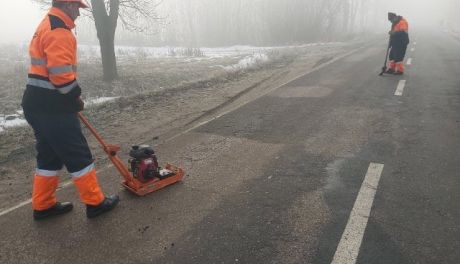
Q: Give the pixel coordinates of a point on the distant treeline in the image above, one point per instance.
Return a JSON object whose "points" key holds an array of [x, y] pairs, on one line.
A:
{"points": [[197, 23]]}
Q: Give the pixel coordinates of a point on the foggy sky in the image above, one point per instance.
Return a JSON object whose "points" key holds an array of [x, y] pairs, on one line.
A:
{"points": [[422, 12], [19, 18]]}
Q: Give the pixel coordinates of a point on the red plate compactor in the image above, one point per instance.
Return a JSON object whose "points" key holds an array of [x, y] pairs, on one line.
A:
{"points": [[144, 176]]}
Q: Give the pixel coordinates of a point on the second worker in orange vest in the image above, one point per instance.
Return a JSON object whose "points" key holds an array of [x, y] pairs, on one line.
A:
{"points": [[399, 39], [51, 103]]}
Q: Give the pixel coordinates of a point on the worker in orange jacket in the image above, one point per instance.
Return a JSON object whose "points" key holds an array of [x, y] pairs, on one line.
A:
{"points": [[399, 39], [51, 103]]}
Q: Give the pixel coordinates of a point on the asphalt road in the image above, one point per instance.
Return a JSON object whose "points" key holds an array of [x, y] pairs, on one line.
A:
{"points": [[275, 181]]}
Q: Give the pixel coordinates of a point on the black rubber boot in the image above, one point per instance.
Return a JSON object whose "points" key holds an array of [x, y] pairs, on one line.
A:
{"points": [[108, 204], [57, 209]]}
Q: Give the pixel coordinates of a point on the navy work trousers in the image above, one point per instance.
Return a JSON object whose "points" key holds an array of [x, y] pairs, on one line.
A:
{"points": [[398, 52], [59, 141]]}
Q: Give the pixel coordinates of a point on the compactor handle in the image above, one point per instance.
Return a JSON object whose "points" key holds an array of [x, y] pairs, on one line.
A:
{"points": [[111, 151], [93, 130]]}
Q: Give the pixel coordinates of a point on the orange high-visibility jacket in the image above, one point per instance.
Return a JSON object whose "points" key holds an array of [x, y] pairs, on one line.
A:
{"points": [[400, 33], [402, 25], [52, 80]]}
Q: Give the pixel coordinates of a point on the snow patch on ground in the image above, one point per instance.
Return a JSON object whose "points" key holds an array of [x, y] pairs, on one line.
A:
{"points": [[16, 120], [248, 62], [100, 100], [8, 121]]}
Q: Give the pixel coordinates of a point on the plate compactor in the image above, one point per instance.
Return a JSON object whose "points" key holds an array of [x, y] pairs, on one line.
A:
{"points": [[144, 176]]}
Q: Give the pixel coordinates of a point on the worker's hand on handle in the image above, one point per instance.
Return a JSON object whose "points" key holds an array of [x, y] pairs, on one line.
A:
{"points": [[80, 103]]}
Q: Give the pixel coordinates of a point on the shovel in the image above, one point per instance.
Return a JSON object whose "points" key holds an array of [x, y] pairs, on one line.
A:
{"points": [[384, 68]]}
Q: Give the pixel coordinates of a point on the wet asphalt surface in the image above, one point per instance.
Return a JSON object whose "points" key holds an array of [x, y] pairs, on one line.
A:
{"points": [[275, 180]]}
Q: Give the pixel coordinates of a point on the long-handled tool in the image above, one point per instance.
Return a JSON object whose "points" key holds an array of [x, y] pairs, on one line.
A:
{"points": [[144, 175], [384, 68]]}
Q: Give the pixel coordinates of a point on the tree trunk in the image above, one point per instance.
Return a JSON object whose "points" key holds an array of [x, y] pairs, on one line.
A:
{"points": [[109, 62], [106, 25]]}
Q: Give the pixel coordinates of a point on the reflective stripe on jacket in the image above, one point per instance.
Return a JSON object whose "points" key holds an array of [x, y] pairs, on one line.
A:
{"points": [[52, 79]]}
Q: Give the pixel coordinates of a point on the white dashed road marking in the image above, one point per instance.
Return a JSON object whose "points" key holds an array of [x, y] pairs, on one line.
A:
{"points": [[409, 61], [15, 207], [349, 245], [400, 88], [413, 49]]}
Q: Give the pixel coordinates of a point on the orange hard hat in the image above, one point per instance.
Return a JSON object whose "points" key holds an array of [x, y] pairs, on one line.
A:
{"points": [[82, 3]]}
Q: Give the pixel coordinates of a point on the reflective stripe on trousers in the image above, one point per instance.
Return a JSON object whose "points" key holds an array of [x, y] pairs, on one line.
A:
{"points": [[47, 173], [77, 174], [83, 172]]}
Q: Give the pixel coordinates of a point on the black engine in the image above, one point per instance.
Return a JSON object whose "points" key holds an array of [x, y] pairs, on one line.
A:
{"points": [[144, 163]]}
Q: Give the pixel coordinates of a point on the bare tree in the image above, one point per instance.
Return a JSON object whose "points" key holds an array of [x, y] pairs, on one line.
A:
{"points": [[135, 15]]}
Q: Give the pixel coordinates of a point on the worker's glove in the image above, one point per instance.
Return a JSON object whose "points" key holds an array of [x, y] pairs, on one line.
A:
{"points": [[80, 104]]}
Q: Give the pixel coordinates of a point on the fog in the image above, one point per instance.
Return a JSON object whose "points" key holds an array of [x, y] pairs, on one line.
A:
{"points": [[253, 22], [426, 13], [18, 20]]}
